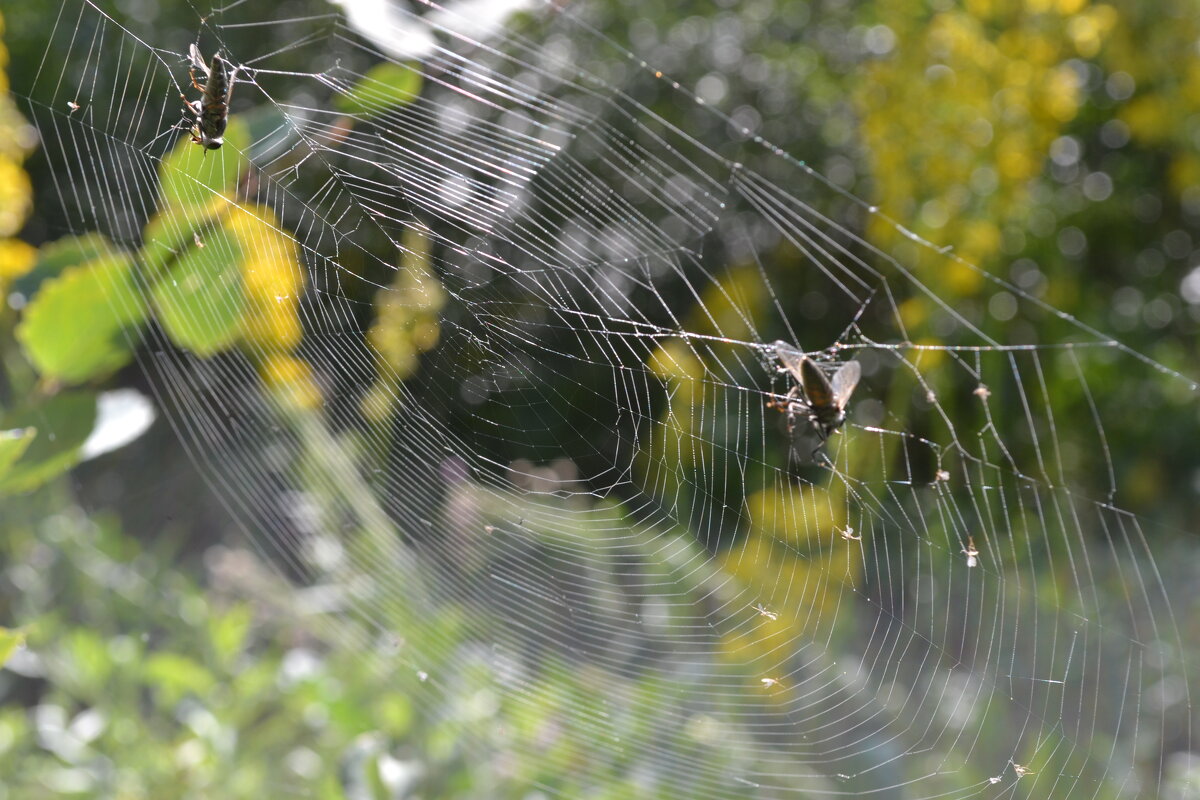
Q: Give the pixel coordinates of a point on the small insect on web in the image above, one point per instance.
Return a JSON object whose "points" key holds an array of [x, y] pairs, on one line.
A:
{"points": [[211, 111], [814, 395], [971, 552]]}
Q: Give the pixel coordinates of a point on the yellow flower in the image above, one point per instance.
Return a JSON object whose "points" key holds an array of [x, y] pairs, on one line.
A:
{"points": [[272, 328], [16, 258], [16, 196], [291, 380]]}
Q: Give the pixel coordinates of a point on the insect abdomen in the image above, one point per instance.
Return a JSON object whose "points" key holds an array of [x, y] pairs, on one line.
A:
{"points": [[817, 389], [215, 112], [217, 86], [818, 392]]}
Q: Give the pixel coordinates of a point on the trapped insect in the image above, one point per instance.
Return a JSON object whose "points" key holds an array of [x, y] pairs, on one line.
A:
{"points": [[822, 400], [765, 612], [211, 111], [971, 552]]}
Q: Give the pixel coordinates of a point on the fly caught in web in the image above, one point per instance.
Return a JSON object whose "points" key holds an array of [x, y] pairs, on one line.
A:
{"points": [[211, 111], [816, 398]]}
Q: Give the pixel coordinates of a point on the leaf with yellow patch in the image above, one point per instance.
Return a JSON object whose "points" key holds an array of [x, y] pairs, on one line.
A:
{"points": [[201, 299], [10, 640], [13, 445], [384, 87]]}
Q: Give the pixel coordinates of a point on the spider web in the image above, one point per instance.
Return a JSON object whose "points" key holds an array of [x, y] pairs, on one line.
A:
{"points": [[581, 497]]}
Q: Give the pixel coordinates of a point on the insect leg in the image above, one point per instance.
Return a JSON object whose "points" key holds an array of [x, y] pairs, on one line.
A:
{"points": [[822, 437], [793, 396]]}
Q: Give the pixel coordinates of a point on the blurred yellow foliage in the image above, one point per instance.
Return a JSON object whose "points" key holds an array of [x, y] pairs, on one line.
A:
{"points": [[674, 361], [17, 138], [16, 258], [1149, 118], [290, 379], [728, 306], [929, 359], [959, 119], [15, 194], [407, 321], [272, 328], [674, 442], [271, 278], [272, 282], [799, 516], [377, 402], [727, 309], [1156, 47], [1184, 171], [914, 312], [1089, 29], [270, 270], [794, 555]]}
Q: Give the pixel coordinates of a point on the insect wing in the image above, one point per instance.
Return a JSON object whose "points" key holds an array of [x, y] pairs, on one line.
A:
{"points": [[197, 59], [844, 381], [817, 389], [791, 358]]}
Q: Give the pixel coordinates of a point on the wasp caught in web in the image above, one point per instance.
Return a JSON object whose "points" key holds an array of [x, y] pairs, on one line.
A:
{"points": [[211, 111], [814, 395]]}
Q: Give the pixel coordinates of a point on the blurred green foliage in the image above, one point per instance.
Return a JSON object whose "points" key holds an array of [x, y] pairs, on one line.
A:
{"points": [[9, 642], [141, 681], [381, 89]]}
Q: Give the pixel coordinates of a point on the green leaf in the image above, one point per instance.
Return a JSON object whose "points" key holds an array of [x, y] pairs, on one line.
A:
{"points": [[10, 640], [193, 176], [229, 632], [395, 715], [200, 300], [178, 229], [56, 256], [64, 422], [177, 676], [12, 445], [382, 88], [85, 655], [74, 329]]}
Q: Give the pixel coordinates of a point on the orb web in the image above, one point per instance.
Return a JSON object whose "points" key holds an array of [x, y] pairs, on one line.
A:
{"points": [[553, 496]]}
